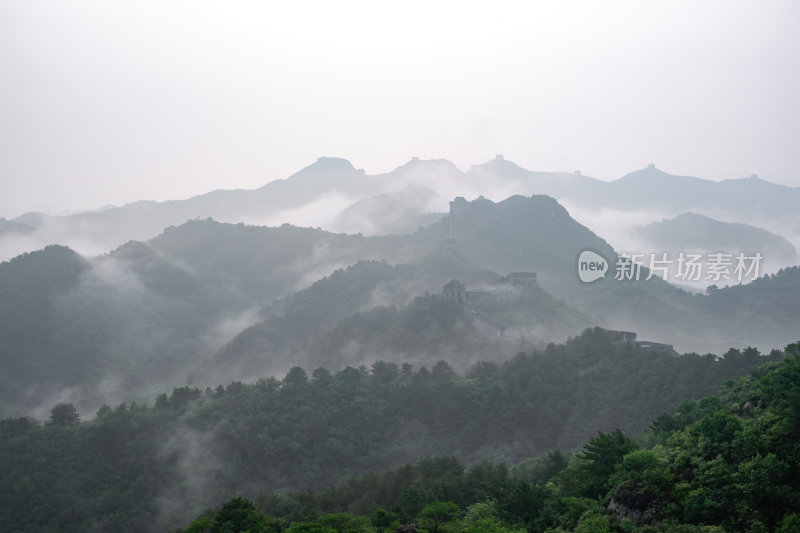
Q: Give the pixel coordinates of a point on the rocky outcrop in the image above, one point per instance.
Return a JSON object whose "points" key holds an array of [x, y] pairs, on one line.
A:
{"points": [[636, 505]]}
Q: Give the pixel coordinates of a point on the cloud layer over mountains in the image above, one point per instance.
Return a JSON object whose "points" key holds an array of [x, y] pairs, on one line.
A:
{"points": [[334, 195]]}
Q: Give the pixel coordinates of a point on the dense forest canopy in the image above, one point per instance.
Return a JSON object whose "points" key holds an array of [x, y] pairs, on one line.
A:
{"points": [[136, 466], [727, 462]]}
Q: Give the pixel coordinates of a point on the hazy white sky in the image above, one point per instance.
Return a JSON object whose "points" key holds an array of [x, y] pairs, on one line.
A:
{"points": [[108, 102]]}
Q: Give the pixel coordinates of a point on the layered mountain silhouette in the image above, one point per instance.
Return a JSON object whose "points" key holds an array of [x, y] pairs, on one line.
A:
{"points": [[333, 194], [179, 307], [690, 231]]}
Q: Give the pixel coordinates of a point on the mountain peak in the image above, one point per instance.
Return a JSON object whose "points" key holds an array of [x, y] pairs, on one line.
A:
{"points": [[692, 216], [499, 162], [649, 172], [329, 164], [416, 163], [652, 176]]}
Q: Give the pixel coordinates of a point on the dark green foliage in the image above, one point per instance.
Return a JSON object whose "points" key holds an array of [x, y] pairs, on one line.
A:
{"points": [[540, 468], [194, 449], [600, 457], [437, 513], [728, 462], [64, 414], [236, 516], [32, 351], [383, 519], [523, 504], [11, 427], [734, 464]]}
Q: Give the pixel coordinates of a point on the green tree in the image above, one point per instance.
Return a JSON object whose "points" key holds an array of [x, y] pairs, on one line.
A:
{"points": [[644, 467], [437, 513], [789, 524], [524, 504], [203, 524], [162, 402], [479, 511], [540, 468], [593, 522], [410, 503], [296, 377], [236, 516], [383, 519], [64, 414], [599, 458]]}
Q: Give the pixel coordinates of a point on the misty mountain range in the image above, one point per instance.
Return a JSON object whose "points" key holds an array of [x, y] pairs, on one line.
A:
{"points": [[397, 273], [334, 195], [207, 302]]}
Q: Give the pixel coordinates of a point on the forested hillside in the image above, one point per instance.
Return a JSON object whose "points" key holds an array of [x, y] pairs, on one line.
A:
{"points": [[359, 314], [726, 463], [147, 468]]}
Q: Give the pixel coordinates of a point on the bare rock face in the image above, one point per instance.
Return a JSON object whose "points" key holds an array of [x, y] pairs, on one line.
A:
{"points": [[636, 505], [407, 528]]}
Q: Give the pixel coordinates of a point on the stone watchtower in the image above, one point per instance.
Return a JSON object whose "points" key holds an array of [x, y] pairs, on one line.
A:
{"points": [[455, 291], [458, 208]]}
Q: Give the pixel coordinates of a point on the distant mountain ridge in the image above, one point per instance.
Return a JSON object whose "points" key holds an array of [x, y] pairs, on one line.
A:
{"points": [[694, 232], [318, 193]]}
